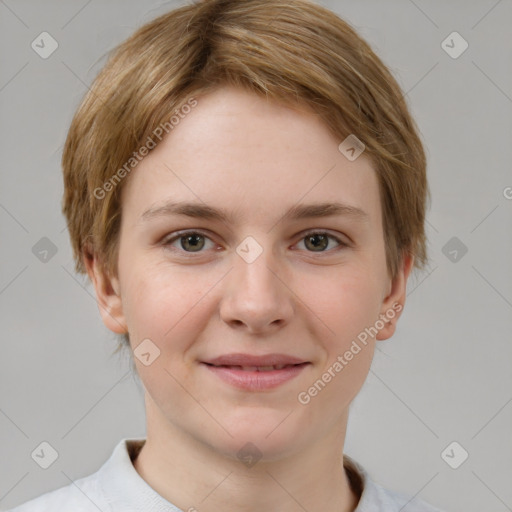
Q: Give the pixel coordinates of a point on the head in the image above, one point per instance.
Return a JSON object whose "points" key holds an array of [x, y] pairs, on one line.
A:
{"points": [[240, 108]]}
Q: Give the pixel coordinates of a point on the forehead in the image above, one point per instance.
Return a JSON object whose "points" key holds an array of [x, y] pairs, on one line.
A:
{"points": [[238, 151]]}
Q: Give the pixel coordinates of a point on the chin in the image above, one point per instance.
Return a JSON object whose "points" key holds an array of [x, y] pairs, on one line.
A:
{"points": [[270, 437]]}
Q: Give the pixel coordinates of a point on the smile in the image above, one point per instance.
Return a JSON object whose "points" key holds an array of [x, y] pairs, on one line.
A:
{"points": [[256, 378]]}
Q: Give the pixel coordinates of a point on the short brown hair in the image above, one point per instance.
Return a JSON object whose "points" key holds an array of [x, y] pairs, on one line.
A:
{"points": [[293, 51]]}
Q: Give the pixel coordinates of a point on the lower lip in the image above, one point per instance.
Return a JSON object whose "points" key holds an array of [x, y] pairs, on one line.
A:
{"points": [[256, 381]]}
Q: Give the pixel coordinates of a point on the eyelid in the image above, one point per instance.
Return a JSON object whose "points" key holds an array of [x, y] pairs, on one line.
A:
{"points": [[176, 235], [166, 241], [327, 232]]}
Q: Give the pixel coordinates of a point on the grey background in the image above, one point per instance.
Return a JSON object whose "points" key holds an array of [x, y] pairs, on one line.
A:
{"points": [[445, 376]]}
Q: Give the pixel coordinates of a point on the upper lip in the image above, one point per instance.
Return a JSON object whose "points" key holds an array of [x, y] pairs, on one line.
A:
{"points": [[252, 360]]}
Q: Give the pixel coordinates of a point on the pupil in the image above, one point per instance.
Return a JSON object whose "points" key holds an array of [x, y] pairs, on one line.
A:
{"points": [[322, 244], [194, 244], [194, 241]]}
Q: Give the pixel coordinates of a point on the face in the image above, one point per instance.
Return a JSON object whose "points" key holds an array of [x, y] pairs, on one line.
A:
{"points": [[257, 282]]}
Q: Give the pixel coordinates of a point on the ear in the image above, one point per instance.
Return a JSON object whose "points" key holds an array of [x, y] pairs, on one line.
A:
{"points": [[108, 294], [394, 302]]}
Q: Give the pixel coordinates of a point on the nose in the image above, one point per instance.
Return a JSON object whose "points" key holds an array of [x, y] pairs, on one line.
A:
{"points": [[255, 297]]}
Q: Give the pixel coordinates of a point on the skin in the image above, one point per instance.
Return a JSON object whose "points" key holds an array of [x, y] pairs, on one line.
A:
{"points": [[255, 158]]}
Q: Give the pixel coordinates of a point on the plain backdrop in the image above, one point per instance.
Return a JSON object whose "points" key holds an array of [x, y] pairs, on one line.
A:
{"points": [[446, 374]]}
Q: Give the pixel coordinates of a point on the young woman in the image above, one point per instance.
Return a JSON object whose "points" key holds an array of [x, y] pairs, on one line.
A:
{"points": [[246, 189]]}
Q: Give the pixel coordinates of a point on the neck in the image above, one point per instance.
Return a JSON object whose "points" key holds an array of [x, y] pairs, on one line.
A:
{"points": [[192, 475]]}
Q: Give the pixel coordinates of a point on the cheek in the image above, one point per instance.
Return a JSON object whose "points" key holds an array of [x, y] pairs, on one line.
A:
{"points": [[345, 301], [348, 304], [166, 304]]}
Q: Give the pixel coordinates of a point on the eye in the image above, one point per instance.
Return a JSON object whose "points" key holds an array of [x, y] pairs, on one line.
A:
{"points": [[194, 241], [189, 241], [318, 241]]}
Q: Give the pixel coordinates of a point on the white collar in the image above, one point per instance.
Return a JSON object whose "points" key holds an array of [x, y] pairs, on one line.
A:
{"points": [[126, 491]]}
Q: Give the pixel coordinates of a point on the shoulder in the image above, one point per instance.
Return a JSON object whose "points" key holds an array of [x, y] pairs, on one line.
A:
{"points": [[391, 501], [83, 495], [375, 498], [114, 486]]}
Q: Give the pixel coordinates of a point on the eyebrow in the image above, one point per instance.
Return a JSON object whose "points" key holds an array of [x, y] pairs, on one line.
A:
{"points": [[297, 212]]}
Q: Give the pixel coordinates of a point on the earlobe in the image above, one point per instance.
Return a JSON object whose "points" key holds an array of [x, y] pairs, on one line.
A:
{"points": [[108, 295], [393, 304]]}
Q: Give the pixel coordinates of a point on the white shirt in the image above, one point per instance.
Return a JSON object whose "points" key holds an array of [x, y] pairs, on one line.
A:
{"points": [[117, 487]]}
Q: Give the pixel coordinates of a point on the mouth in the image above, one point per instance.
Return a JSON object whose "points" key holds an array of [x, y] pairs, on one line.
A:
{"points": [[256, 378], [256, 368]]}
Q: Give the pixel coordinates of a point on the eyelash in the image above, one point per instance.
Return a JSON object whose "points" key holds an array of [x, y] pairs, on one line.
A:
{"points": [[182, 234]]}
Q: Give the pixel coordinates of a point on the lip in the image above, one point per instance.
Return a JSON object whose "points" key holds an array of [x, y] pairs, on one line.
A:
{"points": [[237, 359], [254, 380]]}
